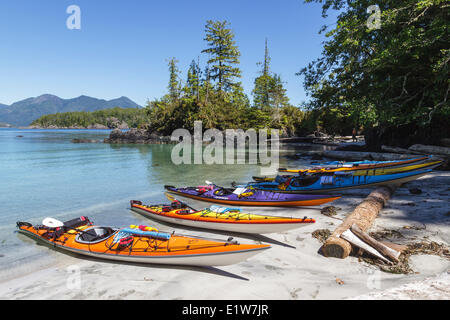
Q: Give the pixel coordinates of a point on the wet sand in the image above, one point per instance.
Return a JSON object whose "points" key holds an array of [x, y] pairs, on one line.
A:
{"points": [[291, 269]]}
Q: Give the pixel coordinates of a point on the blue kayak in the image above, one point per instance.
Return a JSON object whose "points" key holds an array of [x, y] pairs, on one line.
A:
{"points": [[336, 182]]}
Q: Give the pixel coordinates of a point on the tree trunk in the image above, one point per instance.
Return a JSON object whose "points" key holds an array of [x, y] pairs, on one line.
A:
{"points": [[363, 216]]}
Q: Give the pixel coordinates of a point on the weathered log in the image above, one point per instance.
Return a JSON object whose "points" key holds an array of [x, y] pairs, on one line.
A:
{"points": [[430, 149], [399, 150], [397, 247], [309, 153], [384, 250], [356, 155], [357, 242], [363, 216]]}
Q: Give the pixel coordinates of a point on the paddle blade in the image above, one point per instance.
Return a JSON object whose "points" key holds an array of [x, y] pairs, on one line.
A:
{"points": [[172, 198]]}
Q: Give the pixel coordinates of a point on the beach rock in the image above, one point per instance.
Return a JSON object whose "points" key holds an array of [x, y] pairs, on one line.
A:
{"points": [[113, 123], [97, 126]]}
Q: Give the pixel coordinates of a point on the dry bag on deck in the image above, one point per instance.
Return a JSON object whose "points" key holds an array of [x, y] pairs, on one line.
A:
{"points": [[76, 223]]}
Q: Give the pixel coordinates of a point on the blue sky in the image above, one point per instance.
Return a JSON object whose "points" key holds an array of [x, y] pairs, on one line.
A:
{"points": [[123, 46]]}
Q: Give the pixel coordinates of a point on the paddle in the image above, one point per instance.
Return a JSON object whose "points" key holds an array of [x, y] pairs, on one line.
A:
{"points": [[173, 199], [54, 223]]}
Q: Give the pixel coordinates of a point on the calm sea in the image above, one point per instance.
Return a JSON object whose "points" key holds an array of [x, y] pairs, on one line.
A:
{"points": [[43, 174]]}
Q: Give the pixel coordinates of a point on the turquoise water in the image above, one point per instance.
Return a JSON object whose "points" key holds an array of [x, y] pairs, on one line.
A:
{"points": [[43, 174]]}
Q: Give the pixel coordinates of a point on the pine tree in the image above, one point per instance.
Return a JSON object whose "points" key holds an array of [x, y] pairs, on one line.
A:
{"points": [[261, 91], [223, 53], [278, 97], [174, 83], [193, 80]]}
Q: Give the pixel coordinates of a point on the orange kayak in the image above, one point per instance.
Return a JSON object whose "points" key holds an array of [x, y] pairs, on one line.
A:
{"points": [[136, 245], [219, 218]]}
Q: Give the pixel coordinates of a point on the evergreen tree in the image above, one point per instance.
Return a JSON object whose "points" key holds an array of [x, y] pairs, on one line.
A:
{"points": [[174, 83], [224, 54], [192, 88], [269, 94], [277, 92]]}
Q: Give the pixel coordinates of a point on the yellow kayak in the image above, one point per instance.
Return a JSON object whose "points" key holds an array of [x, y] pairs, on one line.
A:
{"points": [[373, 172], [381, 171], [219, 218]]}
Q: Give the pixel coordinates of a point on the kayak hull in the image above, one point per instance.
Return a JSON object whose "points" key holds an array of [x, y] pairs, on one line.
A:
{"points": [[345, 183], [374, 171], [260, 198], [358, 165], [241, 226], [231, 254], [398, 169]]}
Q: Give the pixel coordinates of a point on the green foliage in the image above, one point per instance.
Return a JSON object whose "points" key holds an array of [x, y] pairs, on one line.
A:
{"points": [[223, 54], [269, 96], [174, 83], [391, 76], [192, 87], [217, 99], [135, 118]]}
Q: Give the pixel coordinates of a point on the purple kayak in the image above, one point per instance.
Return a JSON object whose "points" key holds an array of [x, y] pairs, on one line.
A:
{"points": [[249, 196]]}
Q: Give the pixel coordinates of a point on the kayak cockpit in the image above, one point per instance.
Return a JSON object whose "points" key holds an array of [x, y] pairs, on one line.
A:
{"points": [[95, 234]]}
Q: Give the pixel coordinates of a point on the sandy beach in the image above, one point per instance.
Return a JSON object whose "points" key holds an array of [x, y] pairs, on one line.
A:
{"points": [[291, 269]]}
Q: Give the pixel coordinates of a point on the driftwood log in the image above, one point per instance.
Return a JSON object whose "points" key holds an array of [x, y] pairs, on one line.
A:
{"points": [[390, 149], [359, 155], [363, 216], [430, 149], [380, 247]]}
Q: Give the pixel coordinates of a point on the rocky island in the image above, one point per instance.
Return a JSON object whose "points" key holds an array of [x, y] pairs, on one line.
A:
{"points": [[138, 136]]}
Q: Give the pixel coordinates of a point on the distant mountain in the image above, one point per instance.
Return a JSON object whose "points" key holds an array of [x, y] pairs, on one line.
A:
{"points": [[23, 112]]}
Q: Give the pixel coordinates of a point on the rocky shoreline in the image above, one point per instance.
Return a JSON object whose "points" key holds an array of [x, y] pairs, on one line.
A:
{"points": [[95, 126], [137, 136], [111, 123]]}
